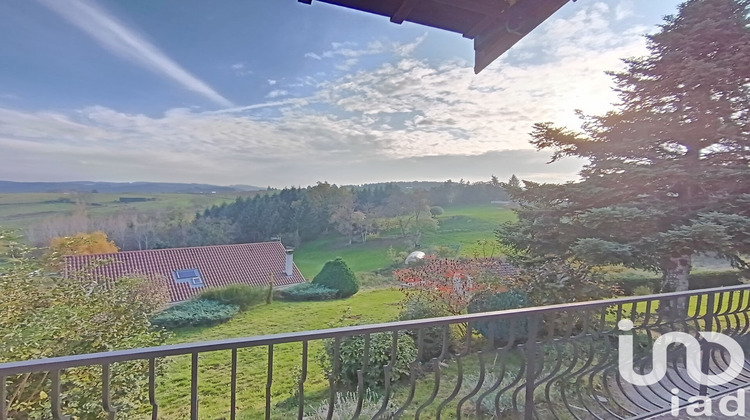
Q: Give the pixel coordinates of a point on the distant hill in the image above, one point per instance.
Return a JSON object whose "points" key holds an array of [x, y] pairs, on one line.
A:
{"points": [[8, 187]]}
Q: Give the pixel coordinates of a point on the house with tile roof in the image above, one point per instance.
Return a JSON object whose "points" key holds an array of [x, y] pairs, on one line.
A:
{"points": [[188, 271]]}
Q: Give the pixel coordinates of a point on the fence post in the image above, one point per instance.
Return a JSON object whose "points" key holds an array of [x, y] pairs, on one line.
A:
{"points": [[708, 320], [531, 362]]}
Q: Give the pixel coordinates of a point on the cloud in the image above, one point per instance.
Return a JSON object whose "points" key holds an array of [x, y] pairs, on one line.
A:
{"points": [[313, 56], [272, 82], [277, 93], [404, 118], [624, 9], [127, 44]]}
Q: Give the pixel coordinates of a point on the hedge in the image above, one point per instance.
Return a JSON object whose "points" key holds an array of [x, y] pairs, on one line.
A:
{"points": [[195, 313], [307, 292], [240, 295]]}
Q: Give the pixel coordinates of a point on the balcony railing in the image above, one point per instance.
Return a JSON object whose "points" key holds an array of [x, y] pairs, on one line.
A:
{"points": [[558, 362]]}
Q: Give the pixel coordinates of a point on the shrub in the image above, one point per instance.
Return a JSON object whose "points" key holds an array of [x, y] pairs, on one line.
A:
{"points": [[414, 307], [195, 313], [307, 291], [701, 280], [350, 358], [240, 295], [436, 210], [490, 301], [643, 290], [346, 406], [338, 276]]}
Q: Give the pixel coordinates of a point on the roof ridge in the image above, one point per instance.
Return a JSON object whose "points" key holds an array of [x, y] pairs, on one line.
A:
{"points": [[171, 249]]}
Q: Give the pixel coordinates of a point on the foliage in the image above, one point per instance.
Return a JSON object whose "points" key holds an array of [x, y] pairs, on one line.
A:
{"points": [[436, 210], [351, 350], [555, 281], [79, 244], [697, 281], [643, 290], [494, 301], [417, 307], [668, 173], [307, 292], [241, 295], [338, 276], [43, 316], [449, 284], [346, 405], [195, 313]]}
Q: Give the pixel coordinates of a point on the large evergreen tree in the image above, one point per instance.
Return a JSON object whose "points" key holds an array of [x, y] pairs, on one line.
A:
{"points": [[668, 173]]}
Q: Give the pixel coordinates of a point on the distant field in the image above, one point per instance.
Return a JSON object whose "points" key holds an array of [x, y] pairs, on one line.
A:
{"points": [[460, 228], [19, 211]]}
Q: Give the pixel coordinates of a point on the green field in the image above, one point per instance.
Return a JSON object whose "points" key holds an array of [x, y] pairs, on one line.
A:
{"points": [[18, 211], [460, 228], [214, 373]]}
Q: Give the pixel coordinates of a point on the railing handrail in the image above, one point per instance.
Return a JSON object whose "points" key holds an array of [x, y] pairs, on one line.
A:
{"points": [[146, 353]]}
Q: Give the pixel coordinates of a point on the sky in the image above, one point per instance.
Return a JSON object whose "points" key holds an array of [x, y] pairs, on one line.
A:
{"points": [[279, 93]]}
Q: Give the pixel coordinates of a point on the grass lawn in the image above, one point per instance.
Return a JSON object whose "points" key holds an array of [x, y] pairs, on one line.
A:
{"points": [[173, 391], [366, 307], [460, 228]]}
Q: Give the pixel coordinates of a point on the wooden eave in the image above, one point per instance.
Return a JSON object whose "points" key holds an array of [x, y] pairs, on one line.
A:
{"points": [[494, 25]]}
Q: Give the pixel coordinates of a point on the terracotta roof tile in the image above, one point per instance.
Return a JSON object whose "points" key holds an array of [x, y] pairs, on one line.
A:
{"points": [[219, 265]]}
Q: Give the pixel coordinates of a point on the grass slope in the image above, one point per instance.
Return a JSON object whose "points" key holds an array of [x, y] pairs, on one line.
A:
{"points": [[460, 228], [173, 391]]}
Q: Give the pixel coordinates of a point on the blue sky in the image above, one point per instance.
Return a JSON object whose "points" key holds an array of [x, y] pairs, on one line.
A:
{"points": [[282, 93]]}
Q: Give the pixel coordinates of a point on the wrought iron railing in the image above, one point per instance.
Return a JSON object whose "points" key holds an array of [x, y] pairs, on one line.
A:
{"points": [[556, 362]]}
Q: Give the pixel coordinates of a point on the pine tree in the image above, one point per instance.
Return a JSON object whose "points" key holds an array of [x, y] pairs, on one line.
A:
{"points": [[668, 173]]}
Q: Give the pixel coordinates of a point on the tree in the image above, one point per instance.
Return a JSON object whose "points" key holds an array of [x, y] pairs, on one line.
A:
{"points": [[513, 182], [411, 213], [668, 174], [79, 244], [338, 276], [43, 315]]}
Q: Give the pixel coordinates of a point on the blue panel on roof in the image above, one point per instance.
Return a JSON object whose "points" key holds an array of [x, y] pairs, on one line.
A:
{"points": [[186, 274], [192, 277]]}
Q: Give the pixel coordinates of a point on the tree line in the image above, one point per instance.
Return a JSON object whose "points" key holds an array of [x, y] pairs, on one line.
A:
{"points": [[295, 215]]}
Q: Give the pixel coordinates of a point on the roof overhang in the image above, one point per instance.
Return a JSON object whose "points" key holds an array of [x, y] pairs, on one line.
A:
{"points": [[494, 25]]}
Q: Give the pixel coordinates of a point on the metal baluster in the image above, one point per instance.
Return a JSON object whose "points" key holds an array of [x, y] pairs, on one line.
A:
{"points": [[233, 387], [436, 366], [480, 378], [511, 340], [705, 352], [106, 403], [332, 377], [531, 361], [412, 374], [269, 381], [387, 370], [3, 397], [152, 389], [55, 397], [302, 379], [460, 379], [361, 378], [194, 387]]}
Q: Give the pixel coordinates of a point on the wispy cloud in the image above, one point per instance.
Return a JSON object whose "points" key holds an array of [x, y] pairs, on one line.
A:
{"points": [[277, 93], [126, 43], [405, 118]]}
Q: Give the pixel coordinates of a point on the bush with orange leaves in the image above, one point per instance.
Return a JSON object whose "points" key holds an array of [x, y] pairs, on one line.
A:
{"points": [[450, 284]]}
